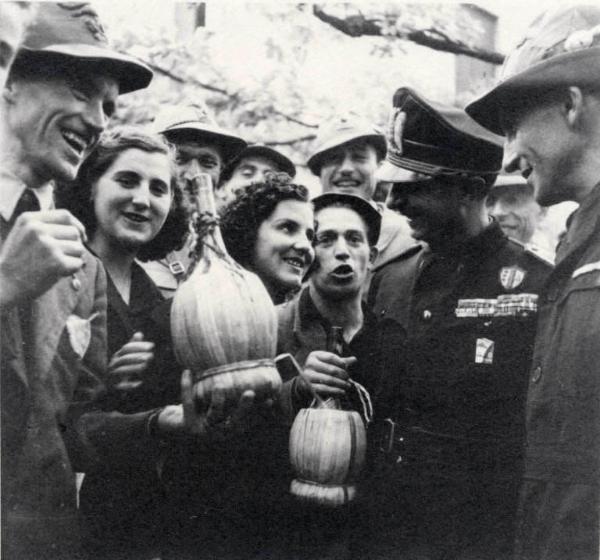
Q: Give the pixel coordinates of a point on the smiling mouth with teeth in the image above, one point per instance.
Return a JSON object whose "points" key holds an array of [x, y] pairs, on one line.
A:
{"points": [[77, 142], [295, 262], [135, 217]]}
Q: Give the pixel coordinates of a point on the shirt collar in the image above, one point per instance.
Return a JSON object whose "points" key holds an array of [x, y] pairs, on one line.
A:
{"points": [[581, 225], [12, 188]]}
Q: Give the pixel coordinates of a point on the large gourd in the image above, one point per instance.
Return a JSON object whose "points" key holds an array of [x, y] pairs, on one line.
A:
{"points": [[328, 443], [327, 451], [223, 322]]}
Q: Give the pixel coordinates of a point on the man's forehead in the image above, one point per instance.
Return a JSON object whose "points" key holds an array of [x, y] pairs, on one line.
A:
{"points": [[199, 146], [257, 161], [339, 218]]}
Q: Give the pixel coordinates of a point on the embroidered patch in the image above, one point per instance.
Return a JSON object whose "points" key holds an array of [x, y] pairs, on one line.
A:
{"points": [[80, 333], [484, 351], [511, 277]]}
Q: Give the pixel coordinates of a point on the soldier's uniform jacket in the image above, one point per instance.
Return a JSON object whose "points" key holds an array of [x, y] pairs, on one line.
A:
{"points": [[457, 340], [560, 497]]}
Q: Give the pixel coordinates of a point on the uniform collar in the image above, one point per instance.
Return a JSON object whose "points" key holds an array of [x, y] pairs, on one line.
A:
{"points": [[581, 225], [487, 241]]}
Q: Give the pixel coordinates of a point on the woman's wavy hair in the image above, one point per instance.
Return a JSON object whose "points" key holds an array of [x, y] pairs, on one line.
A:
{"points": [[243, 216], [77, 195]]}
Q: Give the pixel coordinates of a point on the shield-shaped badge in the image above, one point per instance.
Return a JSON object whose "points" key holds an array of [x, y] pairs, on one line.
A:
{"points": [[511, 277]]}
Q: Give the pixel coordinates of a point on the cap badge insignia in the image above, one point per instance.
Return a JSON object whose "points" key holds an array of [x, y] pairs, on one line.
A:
{"points": [[511, 277], [90, 18]]}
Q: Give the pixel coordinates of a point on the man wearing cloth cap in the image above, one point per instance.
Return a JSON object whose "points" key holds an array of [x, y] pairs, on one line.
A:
{"points": [[457, 321], [202, 147], [347, 154], [346, 232], [547, 105], [60, 93], [251, 166]]}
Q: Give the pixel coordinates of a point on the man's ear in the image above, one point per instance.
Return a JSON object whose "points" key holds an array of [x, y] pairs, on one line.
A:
{"points": [[373, 252], [9, 92], [573, 104]]}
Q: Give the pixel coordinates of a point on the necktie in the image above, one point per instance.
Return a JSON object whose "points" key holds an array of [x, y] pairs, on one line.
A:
{"points": [[28, 202]]}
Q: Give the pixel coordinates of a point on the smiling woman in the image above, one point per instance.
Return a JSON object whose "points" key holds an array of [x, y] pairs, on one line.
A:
{"points": [[126, 196], [268, 228]]}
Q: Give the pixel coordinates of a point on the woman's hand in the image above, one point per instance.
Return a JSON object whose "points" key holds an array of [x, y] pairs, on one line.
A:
{"points": [[328, 372], [129, 362]]}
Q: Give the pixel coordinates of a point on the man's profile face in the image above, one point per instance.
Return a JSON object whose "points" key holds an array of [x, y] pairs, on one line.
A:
{"points": [[433, 207], [250, 169], [350, 169], [11, 28], [515, 210], [539, 145], [57, 121], [342, 253], [207, 156]]}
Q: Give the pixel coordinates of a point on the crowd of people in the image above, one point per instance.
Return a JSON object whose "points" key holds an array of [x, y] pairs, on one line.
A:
{"points": [[477, 354]]}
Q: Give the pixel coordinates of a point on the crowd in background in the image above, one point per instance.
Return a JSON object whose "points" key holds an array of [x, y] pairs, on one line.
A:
{"points": [[471, 333]]}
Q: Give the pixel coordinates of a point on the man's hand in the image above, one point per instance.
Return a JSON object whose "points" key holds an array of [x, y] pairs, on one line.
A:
{"points": [[328, 372], [41, 248], [129, 362], [215, 421]]}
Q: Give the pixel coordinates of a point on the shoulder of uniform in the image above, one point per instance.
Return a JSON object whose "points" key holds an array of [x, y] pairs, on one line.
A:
{"points": [[401, 257], [533, 252]]}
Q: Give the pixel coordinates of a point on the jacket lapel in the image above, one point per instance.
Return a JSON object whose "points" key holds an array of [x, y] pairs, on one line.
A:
{"points": [[49, 316]]}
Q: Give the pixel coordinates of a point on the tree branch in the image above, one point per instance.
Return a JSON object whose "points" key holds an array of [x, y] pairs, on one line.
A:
{"points": [[292, 141], [359, 25], [214, 89]]}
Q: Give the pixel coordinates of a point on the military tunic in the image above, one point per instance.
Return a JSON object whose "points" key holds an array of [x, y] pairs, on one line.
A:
{"points": [[457, 334], [559, 508]]}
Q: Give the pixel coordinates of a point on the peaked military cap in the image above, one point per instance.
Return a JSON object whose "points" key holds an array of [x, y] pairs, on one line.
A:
{"points": [[561, 47], [343, 130], [195, 121], [438, 140], [74, 30], [364, 208]]}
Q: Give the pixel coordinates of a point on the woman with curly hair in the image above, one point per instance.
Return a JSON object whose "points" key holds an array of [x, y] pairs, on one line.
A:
{"points": [[268, 229], [127, 197]]}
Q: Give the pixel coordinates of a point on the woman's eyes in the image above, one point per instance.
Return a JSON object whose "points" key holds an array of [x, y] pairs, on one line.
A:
{"points": [[159, 189]]}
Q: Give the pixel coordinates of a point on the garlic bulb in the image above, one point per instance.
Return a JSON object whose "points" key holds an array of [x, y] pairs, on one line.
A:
{"points": [[222, 313]]}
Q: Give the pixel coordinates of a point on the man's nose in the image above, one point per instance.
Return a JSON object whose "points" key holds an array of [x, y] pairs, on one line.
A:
{"points": [[341, 249], [510, 161], [191, 169], [346, 165], [497, 209], [95, 117]]}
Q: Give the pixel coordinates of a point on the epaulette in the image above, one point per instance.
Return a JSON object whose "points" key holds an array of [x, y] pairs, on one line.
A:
{"points": [[540, 254], [531, 249], [410, 252]]}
